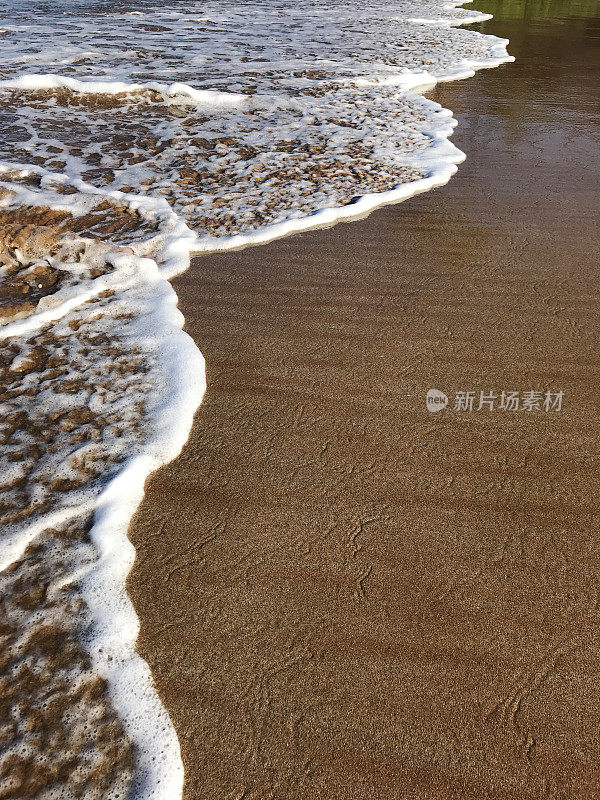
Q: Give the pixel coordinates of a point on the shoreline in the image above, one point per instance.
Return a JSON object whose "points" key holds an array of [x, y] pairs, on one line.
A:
{"points": [[110, 625], [439, 161], [325, 541]]}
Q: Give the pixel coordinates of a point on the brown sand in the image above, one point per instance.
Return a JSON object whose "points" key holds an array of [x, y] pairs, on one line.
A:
{"points": [[341, 595]]}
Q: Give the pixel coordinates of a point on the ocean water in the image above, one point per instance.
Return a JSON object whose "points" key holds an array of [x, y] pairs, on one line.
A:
{"points": [[132, 137]]}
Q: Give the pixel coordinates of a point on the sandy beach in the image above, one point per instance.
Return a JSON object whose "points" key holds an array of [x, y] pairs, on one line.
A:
{"points": [[342, 595], [371, 570]]}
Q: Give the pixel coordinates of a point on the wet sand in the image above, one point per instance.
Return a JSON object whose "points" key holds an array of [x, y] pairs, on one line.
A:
{"points": [[342, 595]]}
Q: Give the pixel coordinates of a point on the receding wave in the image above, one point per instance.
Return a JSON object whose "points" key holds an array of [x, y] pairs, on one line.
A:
{"points": [[133, 138]]}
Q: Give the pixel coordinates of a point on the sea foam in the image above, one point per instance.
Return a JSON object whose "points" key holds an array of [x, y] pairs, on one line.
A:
{"points": [[145, 136]]}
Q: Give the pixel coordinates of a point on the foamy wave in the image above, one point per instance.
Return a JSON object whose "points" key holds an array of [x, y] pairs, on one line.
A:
{"points": [[250, 134], [132, 307], [174, 92]]}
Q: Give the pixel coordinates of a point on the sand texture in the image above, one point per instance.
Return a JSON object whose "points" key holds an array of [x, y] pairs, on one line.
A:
{"points": [[341, 595]]}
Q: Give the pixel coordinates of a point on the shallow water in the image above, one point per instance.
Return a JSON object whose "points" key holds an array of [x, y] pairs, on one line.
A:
{"points": [[131, 137], [455, 654]]}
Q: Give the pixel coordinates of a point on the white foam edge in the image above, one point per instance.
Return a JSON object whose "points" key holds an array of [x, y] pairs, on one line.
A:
{"points": [[444, 22], [176, 250], [439, 162], [330, 216], [158, 766], [172, 92], [449, 22], [473, 18]]}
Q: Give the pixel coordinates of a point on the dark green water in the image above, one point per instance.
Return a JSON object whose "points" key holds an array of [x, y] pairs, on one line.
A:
{"points": [[538, 9]]}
